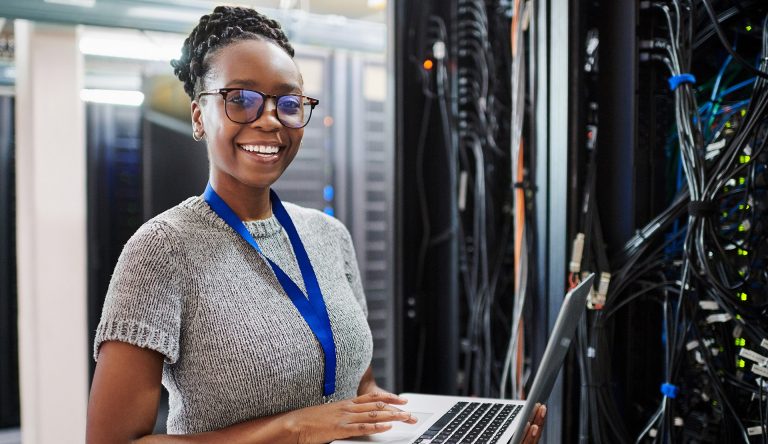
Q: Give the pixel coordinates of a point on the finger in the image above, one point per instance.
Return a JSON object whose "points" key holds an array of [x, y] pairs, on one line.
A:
{"points": [[381, 416], [530, 436], [362, 429], [382, 407], [535, 434], [389, 398], [541, 414], [368, 406]]}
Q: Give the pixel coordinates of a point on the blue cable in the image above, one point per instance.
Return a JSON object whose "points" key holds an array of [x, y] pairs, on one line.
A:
{"points": [[736, 87], [719, 78]]}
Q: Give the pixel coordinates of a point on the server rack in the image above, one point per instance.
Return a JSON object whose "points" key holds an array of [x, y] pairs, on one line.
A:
{"points": [[9, 364], [435, 335], [654, 372], [114, 195]]}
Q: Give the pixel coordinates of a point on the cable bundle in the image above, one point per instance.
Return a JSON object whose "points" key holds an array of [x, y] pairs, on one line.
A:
{"points": [[703, 260], [471, 95]]}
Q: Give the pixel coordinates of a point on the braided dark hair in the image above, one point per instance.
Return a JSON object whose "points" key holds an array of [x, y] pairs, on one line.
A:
{"points": [[226, 24]]}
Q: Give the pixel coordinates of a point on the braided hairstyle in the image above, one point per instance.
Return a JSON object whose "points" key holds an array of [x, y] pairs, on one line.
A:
{"points": [[223, 26]]}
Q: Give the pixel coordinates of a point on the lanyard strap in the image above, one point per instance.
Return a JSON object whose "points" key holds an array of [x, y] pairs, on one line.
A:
{"points": [[311, 308]]}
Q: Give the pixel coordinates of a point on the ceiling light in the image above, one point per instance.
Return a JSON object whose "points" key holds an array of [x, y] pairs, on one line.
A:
{"points": [[81, 3], [131, 45], [112, 96], [377, 4]]}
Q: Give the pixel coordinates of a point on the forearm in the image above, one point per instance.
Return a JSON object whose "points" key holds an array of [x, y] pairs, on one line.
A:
{"points": [[368, 383], [276, 429]]}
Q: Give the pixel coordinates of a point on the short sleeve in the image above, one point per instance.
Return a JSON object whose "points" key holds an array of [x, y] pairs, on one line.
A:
{"points": [[143, 305], [351, 269]]}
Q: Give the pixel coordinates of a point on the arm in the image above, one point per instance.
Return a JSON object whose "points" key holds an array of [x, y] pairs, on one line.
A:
{"points": [[125, 395], [126, 391], [368, 383]]}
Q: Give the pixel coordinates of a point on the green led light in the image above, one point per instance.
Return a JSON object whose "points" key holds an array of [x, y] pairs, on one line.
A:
{"points": [[744, 158], [743, 296], [725, 214], [741, 363], [743, 252], [742, 180], [748, 28], [742, 228], [743, 113], [727, 124], [738, 316]]}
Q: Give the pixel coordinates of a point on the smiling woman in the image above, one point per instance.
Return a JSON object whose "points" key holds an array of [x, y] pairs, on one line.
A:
{"points": [[248, 310]]}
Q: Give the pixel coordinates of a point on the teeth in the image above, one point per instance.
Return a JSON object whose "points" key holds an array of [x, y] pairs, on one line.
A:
{"points": [[262, 149]]}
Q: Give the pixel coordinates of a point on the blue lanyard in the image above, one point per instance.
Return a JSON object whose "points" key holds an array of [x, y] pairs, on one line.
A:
{"points": [[311, 308]]}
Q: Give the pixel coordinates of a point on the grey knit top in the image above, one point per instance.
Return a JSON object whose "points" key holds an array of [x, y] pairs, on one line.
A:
{"points": [[235, 346]]}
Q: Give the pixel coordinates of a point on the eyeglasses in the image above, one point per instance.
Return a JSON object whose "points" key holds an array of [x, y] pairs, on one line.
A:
{"points": [[246, 106]]}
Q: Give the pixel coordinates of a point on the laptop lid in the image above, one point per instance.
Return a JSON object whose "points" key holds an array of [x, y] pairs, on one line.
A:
{"points": [[563, 334]]}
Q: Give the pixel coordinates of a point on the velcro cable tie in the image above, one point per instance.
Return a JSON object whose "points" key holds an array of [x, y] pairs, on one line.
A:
{"points": [[700, 208], [676, 81], [669, 390]]}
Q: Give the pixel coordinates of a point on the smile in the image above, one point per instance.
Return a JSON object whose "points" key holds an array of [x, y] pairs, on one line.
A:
{"points": [[261, 149]]}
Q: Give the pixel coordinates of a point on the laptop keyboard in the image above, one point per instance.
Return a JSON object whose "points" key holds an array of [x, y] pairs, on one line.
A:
{"points": [[471, 422]]}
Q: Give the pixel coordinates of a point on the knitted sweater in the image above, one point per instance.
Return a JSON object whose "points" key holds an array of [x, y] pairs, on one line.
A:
{"points": [[235, 346]]}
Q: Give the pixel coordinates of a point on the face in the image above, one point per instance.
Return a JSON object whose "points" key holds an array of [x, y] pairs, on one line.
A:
{"points": [[233, 148]]}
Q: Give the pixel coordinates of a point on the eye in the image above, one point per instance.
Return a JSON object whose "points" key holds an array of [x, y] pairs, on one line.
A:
{"points": [[244, 99], [289, 104]]}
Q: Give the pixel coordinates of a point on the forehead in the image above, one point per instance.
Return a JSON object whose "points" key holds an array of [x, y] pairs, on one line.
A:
{"points": [[254, 64]]}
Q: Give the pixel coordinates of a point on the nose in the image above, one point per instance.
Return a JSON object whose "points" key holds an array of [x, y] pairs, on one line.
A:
{"points": [[268, 120]]}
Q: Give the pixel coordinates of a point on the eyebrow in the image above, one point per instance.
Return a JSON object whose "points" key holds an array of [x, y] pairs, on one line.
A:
{"points": [[281, 88]]}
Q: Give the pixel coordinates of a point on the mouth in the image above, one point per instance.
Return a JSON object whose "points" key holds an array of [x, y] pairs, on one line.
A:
{"points": [[265, 152]]}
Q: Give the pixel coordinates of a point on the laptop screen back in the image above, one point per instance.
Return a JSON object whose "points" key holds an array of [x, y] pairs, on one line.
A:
{"points": [[560, 339]]}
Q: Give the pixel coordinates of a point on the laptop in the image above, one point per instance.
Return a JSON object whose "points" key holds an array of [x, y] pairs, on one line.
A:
{"points": [[459, 419]]}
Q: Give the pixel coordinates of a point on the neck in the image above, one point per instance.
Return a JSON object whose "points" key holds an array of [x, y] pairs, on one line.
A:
{"points": [[249, 203]]}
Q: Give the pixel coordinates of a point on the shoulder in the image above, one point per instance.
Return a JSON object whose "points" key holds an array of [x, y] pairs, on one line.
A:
{"points": [[311, 220], [169, 227]]}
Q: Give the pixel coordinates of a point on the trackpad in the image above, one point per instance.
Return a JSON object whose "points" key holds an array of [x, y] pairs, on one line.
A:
{"points": [[399, 433]]}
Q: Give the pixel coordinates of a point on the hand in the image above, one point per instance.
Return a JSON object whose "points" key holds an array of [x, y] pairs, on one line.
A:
{"points": [[365, 415], [533, 432]]}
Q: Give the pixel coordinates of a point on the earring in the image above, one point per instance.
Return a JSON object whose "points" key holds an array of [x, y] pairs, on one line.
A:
{"points": [[197, 136]]}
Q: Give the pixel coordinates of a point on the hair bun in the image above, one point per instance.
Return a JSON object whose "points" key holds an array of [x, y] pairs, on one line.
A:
{"points": [[224, 25]]}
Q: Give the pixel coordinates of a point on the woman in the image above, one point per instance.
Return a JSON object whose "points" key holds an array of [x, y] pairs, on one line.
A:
{"points": [[249, 311]]}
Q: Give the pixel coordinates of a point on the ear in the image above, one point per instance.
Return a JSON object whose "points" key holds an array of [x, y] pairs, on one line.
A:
{"points": [[197, 117]]}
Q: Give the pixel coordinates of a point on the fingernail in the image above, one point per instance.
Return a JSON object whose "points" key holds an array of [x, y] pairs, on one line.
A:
{"points": [[534, 431]]}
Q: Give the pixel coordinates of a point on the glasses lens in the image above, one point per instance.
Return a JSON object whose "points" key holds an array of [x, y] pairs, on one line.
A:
{"points": [[293, 111], [244, 106]]}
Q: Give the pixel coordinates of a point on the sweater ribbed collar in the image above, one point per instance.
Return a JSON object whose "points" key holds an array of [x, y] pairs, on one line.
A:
{"points": [[258, 228]]}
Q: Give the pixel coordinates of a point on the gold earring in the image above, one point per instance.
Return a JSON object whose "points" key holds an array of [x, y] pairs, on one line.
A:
{"points": [[197, 136]]}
